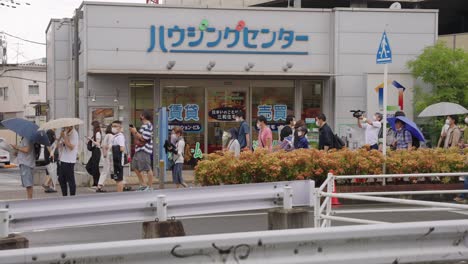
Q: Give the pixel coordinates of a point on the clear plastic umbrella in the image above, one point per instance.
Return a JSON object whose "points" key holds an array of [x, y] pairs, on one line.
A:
{"points": [[443, 109], [61, 122]]}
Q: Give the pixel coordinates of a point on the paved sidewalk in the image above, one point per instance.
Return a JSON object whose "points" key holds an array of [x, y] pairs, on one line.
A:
{"points": [[11, 189]]}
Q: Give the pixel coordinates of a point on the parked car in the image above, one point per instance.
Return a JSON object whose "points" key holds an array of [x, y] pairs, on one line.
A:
{"points": [[4, 155]]}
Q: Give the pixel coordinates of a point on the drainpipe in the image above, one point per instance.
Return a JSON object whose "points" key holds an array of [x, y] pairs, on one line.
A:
{"points": [[76, 49]]}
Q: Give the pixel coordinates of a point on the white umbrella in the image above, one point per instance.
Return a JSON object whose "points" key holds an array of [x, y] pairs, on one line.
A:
{"points": [[443, 109], [61, 122]]}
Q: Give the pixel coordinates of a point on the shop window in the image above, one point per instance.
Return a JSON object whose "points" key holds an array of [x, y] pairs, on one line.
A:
{"points": [[33, 89], [274, 100], [185, 101], [311, 106], [142, 98], [223, 104]]}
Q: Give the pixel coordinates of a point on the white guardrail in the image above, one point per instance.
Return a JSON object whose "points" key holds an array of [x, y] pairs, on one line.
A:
{"points": [[63, 212], [324, 213], [419, 242]]}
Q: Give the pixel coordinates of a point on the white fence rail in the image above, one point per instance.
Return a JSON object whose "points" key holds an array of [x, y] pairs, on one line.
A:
{"points": [[420, 242], [324, 213], [111, 208]]}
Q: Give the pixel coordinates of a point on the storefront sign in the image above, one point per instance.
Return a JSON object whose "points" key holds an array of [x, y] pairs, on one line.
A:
{"points": [[275, 112], [228, 40], [176, 112], [187, 127], [224, 113]]}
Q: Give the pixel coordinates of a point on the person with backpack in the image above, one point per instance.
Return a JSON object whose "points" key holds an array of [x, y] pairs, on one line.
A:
{"points": [[244, 131], [372, 130], [27, 162], [178, 157], [326, 136]]}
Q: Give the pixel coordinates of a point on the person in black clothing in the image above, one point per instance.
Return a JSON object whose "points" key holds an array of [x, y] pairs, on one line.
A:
{"points": [[325, 133], [51, 177]]}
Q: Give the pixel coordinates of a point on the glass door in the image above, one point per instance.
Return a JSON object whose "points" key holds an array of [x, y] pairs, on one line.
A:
{"points": [[223, 102]]}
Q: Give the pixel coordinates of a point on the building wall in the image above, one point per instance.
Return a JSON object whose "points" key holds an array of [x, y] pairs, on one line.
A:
{"points": [[19, 100], [357, 36], [456, 41], [60, 93], [214, 3]]}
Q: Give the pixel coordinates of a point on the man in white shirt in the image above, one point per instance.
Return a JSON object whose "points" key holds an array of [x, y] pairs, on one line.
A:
{"points": [[68, 148], [372, 127]]}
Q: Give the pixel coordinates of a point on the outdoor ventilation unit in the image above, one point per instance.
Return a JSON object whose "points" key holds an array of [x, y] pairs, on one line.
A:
{"points": [[395, 5]]}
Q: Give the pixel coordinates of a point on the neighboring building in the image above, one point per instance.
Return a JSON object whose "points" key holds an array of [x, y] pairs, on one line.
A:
{"points": [[205, 64], [456, 41], [453, 14], [23, 90]]}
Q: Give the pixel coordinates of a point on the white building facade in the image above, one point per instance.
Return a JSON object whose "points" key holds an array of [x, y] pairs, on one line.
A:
{"points": [[206, 64]]}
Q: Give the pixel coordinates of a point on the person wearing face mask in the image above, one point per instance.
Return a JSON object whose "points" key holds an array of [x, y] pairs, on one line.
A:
{"points": [[106, 148], [144, 148], [403, 138], [68, 149], [372, 129], [443, 134], [453, 133], [178, 157], [265, 136], [118, 150], [301, 141], [244, 136], [290, 122]]}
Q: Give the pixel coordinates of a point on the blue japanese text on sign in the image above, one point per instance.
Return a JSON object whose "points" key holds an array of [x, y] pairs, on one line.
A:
{"points": [[176, 112], [228, 40], [275, 112]]}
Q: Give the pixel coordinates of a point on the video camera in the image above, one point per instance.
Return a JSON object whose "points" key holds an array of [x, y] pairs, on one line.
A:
{"points": [[357, 113]]}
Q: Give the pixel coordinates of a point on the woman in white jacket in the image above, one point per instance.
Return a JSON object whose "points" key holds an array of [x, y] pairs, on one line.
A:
{"points": [[106, 148]]}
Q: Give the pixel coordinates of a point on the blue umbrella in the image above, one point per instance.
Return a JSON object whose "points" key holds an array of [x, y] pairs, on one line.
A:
{"points": [[27, 129], [410, 126]]}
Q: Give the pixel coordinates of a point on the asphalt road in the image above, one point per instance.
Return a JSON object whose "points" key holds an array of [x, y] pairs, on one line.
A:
{"points": [[10, 188]]}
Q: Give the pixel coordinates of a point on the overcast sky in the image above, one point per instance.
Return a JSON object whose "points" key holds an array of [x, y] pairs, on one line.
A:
{"points": [[30, 22]]}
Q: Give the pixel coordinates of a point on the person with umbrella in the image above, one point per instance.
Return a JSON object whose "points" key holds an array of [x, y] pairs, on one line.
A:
{"points": [[403, 138], [25, 150], [68, 149], [453, 133]]}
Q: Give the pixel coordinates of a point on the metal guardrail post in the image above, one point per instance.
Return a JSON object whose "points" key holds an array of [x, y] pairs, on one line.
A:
{"points": [[316, 194], [162, 168], [162, 208], [287, 197], [4, 222], [330, 188]]}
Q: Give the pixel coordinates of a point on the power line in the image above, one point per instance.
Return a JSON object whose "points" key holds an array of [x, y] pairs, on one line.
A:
{"points": [[30, 41], [21, 78]]}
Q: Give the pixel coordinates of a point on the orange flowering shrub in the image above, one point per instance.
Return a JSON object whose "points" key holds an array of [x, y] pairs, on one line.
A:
{"points": [[260, 166]]}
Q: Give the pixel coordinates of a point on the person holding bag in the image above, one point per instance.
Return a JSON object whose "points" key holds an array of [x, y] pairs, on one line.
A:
{"points": [[94, 145], [118, 154]]}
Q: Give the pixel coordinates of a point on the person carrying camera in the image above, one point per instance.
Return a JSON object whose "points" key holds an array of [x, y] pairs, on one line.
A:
{"points": [[372, 129]]}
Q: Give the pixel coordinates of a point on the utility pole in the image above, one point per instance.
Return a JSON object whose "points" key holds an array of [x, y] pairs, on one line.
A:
{"points": [[3, 49]]}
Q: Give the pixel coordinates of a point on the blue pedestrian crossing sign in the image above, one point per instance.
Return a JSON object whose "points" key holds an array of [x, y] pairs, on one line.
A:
{"points": [[384, 54]]}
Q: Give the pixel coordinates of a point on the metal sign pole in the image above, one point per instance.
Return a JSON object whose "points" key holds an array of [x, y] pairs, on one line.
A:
{"points": [[384, 123]]}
